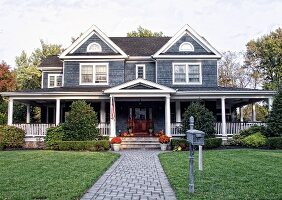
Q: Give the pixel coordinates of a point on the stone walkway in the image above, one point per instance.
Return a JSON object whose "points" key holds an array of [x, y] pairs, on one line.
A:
{"points": [[137, 174]]}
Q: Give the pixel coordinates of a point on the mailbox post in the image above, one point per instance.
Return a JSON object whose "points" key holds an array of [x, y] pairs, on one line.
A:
{"points": [[194, 137]]}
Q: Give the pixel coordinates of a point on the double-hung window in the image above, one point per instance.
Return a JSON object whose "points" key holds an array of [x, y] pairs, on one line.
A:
{"points": [[94, 74], [187, 73], [140, 71], [55, 80]]}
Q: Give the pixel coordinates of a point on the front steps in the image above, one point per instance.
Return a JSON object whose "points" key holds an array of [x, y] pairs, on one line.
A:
{"points": [[140, 143]]}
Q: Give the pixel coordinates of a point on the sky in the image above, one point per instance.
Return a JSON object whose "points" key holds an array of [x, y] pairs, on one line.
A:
{"points": [[227, 24]]}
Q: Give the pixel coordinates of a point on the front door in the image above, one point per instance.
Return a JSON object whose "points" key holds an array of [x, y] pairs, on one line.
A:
{"points": [[140, 119]]}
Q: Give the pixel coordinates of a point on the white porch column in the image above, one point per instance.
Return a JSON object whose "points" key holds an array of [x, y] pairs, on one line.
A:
{"points": [[223, 119], [58, 110], [113, 117], [10, 111], [241, 114], [103, 112], [254, 117], [270, 102], [177, 111], [167, 116], [27, 113]]}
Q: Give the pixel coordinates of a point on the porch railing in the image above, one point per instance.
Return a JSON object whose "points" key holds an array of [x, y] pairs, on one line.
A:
{"points": [[104, 129]]}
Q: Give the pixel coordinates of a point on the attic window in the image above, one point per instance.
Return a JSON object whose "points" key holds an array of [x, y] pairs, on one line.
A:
{"points": [[94, 47], [186, 46]]}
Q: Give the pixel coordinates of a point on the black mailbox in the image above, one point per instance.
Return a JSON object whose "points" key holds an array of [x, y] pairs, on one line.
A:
{"points": [[195, 137]]}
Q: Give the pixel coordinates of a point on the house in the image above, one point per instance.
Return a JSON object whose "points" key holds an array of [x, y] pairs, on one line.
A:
{"points": [[136, 83]]}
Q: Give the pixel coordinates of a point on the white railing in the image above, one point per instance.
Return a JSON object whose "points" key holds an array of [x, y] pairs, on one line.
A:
{"points": [[104, 129], [175, 130], [34, 130]]}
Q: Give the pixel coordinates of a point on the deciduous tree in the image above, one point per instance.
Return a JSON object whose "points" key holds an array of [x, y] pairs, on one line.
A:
{"points": [[143, 32], [7, 78]]}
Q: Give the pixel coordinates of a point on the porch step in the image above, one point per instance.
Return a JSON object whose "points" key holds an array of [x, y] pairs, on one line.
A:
{"points": [[140, 143]]}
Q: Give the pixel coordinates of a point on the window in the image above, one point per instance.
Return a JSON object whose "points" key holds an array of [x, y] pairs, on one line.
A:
{"points": [[187, 73], [140, 71], [94, 47], [94, 73], [186, 46], [55, 80]]}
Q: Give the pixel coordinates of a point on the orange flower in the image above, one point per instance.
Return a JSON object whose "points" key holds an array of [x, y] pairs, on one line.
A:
{"points": [[164, 139], [116, 140]]}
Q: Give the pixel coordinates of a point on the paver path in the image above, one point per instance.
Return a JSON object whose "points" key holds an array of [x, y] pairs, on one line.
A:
{"points": [[137, 174]]}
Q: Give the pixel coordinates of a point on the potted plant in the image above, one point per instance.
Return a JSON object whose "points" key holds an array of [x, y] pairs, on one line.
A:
{"points": [[116, 141], [129, 130], [164, 140]]}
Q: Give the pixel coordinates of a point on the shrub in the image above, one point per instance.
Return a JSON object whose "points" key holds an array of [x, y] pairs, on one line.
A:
{"points": [[252, 130], [100, 145], [236, 140], [164, 139], [81, 123], [116, 140], [204, 119], [11, 136], [54, 134], [254, 140], [211, 143], [3, 118], [179, 144], [274, 142]]}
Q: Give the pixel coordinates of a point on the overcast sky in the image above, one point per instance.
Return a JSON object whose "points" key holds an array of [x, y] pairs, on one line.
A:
{"points": [[226, 24]]}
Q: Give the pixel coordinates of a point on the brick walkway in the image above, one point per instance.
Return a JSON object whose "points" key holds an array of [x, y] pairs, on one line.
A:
{"points": [[137, 174]]}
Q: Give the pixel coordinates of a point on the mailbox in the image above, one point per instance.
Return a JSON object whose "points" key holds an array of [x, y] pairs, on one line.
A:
{"points": [[195, 137]]}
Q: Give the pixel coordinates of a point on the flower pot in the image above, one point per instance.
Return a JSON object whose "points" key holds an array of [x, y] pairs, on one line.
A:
{"points": [[163, 147], [116, 147]]}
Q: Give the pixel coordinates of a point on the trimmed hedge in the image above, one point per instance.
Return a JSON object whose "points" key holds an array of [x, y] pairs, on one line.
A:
{"points": [[54, 134], [11, 136], [274, 142], [210, 143], [99, 145]]}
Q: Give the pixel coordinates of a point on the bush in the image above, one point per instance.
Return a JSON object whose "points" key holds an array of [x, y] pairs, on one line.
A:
{"points": [[179, 144], [3, 118], [81, 123], [254, 140], [252, 130], [54, 135], [274, 142], [11, 136], [100, 145], [236, 140], [211, 143]]}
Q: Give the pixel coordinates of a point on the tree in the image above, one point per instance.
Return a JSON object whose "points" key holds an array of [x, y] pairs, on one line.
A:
{"points": [[204, 119], [264, 57], [81, 122], [7, 78], [274, 125], [231, 72], [143, 32]]}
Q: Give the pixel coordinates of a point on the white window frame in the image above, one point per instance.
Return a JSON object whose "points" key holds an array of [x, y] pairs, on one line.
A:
{"points": [[187, 74], [55, 81], [94, 43], [184, 43], [144, 70], [94, 73]]}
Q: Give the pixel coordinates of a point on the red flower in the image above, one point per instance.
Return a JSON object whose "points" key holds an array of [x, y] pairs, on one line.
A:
{"points": [[116, 140], [164, 139]]}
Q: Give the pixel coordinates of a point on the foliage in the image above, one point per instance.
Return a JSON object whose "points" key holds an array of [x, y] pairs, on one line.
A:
{"points": [[3, 119], [254, 140], [204, 119], [252, 130], [254, 173], [81, 123], [116, 140], [264, 56], [261, 112], [274, 121], [7, 78], [50, 175], [143, 32], [53, 136], [11, 136], [163, 139], [212, 143], [99, 145], [236, 140], [179, 144], [274, 142]]}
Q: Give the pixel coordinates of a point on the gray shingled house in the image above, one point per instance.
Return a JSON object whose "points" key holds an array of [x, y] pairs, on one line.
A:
{"points": [[136, 83]]}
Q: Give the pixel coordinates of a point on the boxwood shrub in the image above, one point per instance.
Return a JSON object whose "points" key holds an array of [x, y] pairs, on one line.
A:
{"points": [[99, 145], [274, 142], [54, 135], [210, 143], [254, 140], [11, 137]]}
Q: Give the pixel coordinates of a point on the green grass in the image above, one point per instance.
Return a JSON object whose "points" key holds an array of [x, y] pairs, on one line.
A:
{"points": [[228, 174], [50, 174]]}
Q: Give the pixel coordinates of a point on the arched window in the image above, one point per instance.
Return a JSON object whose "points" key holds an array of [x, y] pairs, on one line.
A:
{"points": [[186, 46], [94, 47]]}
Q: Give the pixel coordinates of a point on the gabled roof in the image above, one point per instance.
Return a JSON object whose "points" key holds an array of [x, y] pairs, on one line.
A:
{"points": [[51, 61], [202, 41]]}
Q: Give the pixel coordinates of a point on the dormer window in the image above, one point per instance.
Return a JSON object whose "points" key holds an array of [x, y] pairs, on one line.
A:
{"points": [[55, 80], [186, 46], [94, 47], [140, 71]]}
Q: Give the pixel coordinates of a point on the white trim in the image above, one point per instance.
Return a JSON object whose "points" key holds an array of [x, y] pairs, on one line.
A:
{"points": [[94, 43], [49, 68], [42, 78], [189, 56], [55, 80], [187, 73], [90, 56], [140, 58], [95, 60], [144, 70], [94, 73], [186, 43]]}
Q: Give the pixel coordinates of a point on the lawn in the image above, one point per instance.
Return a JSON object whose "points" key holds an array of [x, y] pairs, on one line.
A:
{"points": [[50, 174], [228, 174]]}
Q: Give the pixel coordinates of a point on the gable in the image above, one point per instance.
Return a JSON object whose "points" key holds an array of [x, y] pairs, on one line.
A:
{"points": [[139, 86]]}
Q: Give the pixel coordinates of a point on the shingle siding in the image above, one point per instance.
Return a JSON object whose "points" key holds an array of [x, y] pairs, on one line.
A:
{"points": [[130, 70], [45, 77]]}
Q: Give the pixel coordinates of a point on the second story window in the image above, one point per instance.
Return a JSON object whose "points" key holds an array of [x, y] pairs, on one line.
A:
{"points": [[140, 71], [187, 73], [94, 74], [55, 80]]}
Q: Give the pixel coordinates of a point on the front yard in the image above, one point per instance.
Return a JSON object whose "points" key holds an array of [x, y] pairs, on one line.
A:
{"points": [[228, 174], [50, 174]]}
